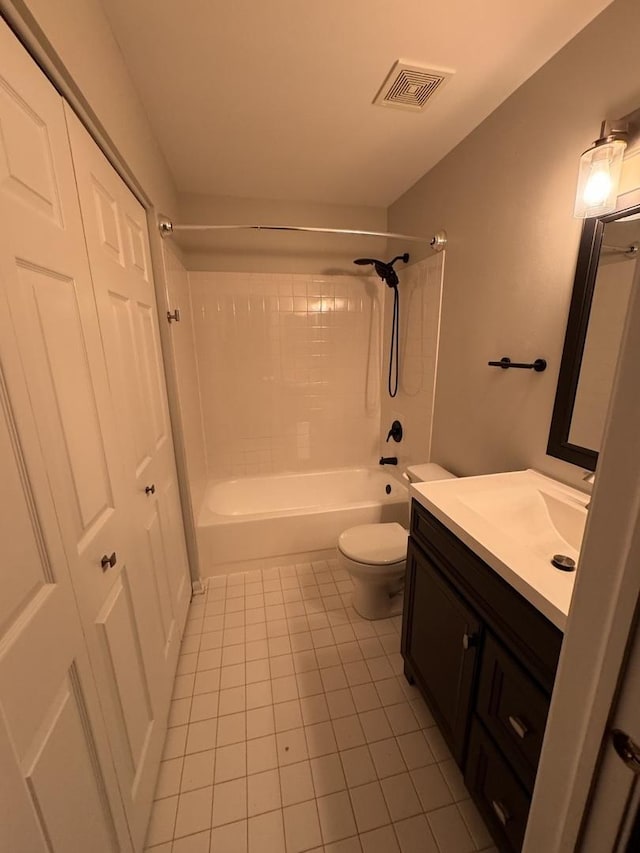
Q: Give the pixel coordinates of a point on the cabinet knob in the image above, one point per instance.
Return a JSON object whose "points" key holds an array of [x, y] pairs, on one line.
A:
{"points": [[501, 812], [469, 640], [518, 726], [108, 562], [151, 490]]}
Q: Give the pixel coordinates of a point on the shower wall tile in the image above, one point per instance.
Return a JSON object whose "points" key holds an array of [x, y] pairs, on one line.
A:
{"points": [[420, 300], [289, 369]]}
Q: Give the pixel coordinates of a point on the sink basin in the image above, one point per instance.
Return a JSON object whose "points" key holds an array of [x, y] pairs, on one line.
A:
{"points": [[538, 519], [516, 522]]}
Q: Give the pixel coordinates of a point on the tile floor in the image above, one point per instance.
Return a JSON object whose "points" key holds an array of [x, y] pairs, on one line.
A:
{"points": [[293, 729]]}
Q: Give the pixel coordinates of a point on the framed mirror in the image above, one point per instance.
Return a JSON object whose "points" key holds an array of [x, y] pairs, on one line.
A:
{"points": [[607, 259]]}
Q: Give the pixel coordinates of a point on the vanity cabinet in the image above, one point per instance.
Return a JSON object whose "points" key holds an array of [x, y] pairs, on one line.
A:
{"points": [[440, 645], [485, 660]]}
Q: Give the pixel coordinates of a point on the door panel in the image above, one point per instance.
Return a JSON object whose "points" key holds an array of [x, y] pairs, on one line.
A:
{"points": [[61, 760], [158, 555], [107, 222], [125, 376], [171, 518], [151, 371], [612, 821], [138, 247], [129, 678], [58, 362], [26, 159], [127, 314], [59, 791]]}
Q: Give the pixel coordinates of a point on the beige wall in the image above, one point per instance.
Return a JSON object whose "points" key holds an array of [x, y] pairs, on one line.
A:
{"points": [[80, 36], [420, 294], [505, 197], [247, 251]]}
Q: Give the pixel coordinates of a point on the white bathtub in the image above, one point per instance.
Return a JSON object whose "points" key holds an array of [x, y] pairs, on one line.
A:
{"points": [[285, 514]]}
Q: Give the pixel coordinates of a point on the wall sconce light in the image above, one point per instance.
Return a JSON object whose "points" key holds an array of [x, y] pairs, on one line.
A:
{"points": [[600, 170]]}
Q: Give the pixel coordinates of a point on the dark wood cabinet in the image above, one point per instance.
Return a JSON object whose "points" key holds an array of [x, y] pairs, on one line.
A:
{"points": [[485, 660], [512, 708], [497, 791], [440, 647]]}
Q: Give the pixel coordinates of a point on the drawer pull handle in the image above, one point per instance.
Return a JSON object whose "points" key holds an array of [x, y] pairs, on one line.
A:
{"points": [[501, 812], [518, 726], [469, 640]]}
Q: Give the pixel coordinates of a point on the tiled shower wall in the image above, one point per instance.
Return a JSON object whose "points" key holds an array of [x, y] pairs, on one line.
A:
{"points": [[289, 370]]}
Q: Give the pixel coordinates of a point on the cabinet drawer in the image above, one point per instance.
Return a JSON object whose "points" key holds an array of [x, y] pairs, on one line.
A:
{"points": [[500, 797], [513, 708]]}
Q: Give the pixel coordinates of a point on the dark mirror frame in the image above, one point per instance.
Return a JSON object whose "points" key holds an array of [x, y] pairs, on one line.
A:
{"points": [[576, 334]]}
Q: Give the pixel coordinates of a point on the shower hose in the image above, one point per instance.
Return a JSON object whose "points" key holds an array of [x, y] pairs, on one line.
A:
{"points": [[393, 350]]}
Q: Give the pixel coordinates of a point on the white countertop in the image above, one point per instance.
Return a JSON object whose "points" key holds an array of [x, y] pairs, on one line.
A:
{"points": [[515, 522]]}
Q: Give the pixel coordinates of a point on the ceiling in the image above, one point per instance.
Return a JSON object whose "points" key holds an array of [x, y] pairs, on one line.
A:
{"points": [[274, 99]]}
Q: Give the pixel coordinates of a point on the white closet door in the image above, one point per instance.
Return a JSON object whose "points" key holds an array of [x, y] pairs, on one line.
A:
{"points": [[58, 788], [45, 272], [118, 245]]}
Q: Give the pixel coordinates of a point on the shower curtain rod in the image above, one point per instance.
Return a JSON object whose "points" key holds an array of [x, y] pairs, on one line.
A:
{"points": [[437, 242]]}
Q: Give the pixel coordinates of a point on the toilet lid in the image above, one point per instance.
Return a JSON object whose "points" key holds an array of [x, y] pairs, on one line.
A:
{"points": [[375, 544]]}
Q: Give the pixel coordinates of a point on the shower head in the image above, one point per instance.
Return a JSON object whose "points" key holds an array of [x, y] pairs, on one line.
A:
{"points": [[384, 270]]}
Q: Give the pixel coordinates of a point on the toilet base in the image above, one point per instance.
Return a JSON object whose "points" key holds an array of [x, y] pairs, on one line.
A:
{"points": [[376, 601]]}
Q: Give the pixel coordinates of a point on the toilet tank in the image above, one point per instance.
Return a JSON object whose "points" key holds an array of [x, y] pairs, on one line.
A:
{"points": [[427, 472]]}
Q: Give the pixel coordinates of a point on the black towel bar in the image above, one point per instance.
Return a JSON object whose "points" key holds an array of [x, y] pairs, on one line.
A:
{"points": [[538, 365]]}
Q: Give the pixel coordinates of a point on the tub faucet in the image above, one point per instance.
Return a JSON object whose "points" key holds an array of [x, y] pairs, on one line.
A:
{"points": [[388, 460]]}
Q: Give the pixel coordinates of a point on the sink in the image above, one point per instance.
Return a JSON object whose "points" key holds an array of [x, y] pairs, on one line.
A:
{"points": [[516, 522], [537, 518]]}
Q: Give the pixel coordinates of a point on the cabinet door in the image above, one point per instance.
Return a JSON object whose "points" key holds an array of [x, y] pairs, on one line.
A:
{"points": [[58, 789], [440, 639]]}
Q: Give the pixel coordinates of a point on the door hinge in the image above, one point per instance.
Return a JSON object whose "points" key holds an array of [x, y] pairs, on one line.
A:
{"points": [[627, 749], [173, 316]]}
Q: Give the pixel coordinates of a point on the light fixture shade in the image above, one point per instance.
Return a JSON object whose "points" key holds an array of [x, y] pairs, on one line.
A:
{"points": [[599, 178]]}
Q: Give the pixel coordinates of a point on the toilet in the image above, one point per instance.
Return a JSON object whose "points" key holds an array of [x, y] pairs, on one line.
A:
{"points": [[375, 555]]}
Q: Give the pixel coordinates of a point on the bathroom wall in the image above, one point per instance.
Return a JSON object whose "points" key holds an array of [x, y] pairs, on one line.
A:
{"points": [[188, 388], [80, 38], [289, 370], [420, 296], [251, 251], [505, 196]]}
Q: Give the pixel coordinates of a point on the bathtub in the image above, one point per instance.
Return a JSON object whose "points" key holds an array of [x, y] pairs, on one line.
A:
{"points": [[287, 514]]}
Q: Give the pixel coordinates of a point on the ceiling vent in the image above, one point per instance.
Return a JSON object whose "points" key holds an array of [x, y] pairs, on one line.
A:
{"points": [[410, 87]]}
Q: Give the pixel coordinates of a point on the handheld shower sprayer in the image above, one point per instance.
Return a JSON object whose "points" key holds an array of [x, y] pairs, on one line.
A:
{"points": [[386, 272]]}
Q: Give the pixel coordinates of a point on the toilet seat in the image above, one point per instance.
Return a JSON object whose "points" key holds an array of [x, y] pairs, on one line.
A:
{"points": [[375, 544]]}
